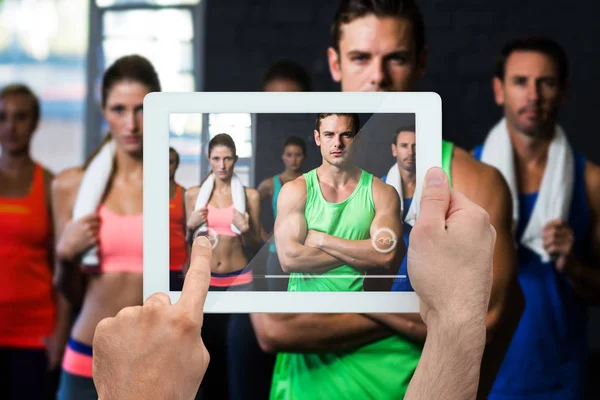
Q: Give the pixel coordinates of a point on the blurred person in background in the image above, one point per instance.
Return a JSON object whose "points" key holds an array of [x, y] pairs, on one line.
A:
{"points": [[178, 249], [286, 76], [34, 318], [115, 228]]}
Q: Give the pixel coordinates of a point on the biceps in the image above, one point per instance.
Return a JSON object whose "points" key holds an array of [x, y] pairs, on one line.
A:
{"points": [[290, 228]]}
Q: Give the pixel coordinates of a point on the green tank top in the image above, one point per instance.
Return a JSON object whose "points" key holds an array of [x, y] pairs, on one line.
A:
{"points": [[276, 189], [379, 370], [350, 219]]}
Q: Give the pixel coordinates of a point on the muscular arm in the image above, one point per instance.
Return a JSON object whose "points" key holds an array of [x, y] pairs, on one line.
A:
{"points": [[315, 332], [485, 186], [409, 325], [68, 278], [362, 253], [252, 238], [291, 230], [585, 274]]}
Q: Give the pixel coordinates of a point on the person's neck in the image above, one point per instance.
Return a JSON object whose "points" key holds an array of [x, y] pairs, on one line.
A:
{"points": [[130, 166], [409, 182], [337, 175], [530, 152], [222, 185], [15, 162]]}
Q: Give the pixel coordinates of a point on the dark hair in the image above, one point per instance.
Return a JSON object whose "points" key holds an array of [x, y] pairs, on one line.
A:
{"points": [[172, 150], [353, 118], [287, 70], [538, 44], [403, 128], [130, 68], [222, 139], [133, 68], [24, 90], [295, 141], [349, 10]]}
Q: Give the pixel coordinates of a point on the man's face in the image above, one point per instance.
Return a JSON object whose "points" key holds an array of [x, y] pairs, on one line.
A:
{"points": [[335, 139], [530, 93], [405, 151], [376, 54]]}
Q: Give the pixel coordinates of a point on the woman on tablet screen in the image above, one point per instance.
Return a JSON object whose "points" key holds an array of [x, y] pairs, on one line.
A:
{"points": [[111, 281], [213, 209]]}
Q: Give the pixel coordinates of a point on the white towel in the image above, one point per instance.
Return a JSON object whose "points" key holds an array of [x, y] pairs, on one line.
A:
{"points": [[91, 191], [238, 194], [554, 198], [394, 179]]}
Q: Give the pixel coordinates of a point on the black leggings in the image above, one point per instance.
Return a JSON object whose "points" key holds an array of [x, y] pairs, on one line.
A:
{"points": [[24, 374], [238, 368]]}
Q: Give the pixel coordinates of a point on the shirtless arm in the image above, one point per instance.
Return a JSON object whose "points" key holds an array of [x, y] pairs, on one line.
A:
{"points": [[252, 237], [315, 332], [265, 190], [56, 343], [291, 231], [584, 274], [485, 186], [68, 278], [362, 253]]}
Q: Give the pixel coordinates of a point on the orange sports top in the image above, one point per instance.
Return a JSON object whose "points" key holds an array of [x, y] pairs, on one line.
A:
{"points": [[27, 305], [178, 250]]}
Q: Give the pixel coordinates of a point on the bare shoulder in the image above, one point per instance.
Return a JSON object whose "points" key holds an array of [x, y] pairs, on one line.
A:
{"points": [[67, 182], [592, 183], [252, 194], [384, 193], [294, 190], [473, 177], [266, 185], [191, 193]]}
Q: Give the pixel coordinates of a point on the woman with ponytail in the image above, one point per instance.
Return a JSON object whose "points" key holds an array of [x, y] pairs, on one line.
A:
{"points": [[113, 229]]}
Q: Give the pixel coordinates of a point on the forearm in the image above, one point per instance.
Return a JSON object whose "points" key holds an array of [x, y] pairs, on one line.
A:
{"points": [[310, 333], [585, 280], [64, 316], [69, 281], [357, 253], [409, 325], [450, 362], [296, 257]]}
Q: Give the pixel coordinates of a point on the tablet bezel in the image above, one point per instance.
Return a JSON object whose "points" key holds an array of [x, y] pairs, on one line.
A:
{"points": [[427, 108]]}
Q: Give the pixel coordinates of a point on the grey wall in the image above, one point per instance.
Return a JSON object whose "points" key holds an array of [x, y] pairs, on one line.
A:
{"points": [[244, 36]]}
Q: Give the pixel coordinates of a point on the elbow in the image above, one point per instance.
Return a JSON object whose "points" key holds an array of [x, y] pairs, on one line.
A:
{"points": [[393, 259], [287, 261], [268, 337]]}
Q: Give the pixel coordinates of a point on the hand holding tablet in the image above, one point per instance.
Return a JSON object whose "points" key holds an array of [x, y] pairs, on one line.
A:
{"points": [[135, 351]]}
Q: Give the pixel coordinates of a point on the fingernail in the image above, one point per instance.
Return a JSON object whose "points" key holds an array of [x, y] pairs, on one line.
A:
{"points": [[202, 241], [435, 177]]}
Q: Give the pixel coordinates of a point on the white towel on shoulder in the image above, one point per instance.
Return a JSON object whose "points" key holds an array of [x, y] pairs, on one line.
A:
{"points": [[554, 198], [238, 195], [394, 179], [91, 190]]}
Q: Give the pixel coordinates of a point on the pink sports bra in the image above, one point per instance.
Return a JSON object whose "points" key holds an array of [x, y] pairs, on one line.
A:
{"points": [[120, 240], [220, 220]]}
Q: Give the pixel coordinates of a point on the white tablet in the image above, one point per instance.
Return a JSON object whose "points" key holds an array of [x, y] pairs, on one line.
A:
{"points": [[259, 123]]}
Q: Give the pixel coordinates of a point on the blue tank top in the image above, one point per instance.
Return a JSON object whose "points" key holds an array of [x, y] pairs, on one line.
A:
{"points": [[276, 189], [548, 354]]}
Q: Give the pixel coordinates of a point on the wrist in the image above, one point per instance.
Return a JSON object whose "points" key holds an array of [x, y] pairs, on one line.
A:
{"points": [[64, 254]]}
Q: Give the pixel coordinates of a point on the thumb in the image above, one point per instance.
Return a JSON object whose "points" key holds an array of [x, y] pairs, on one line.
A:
{"points": [[435, 198]]}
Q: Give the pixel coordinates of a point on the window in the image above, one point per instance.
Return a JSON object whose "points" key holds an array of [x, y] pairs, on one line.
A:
{"points": [[190, 134]]}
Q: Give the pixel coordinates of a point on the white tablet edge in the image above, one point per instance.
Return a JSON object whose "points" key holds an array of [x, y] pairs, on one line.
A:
{"points": [[427, 108]]}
